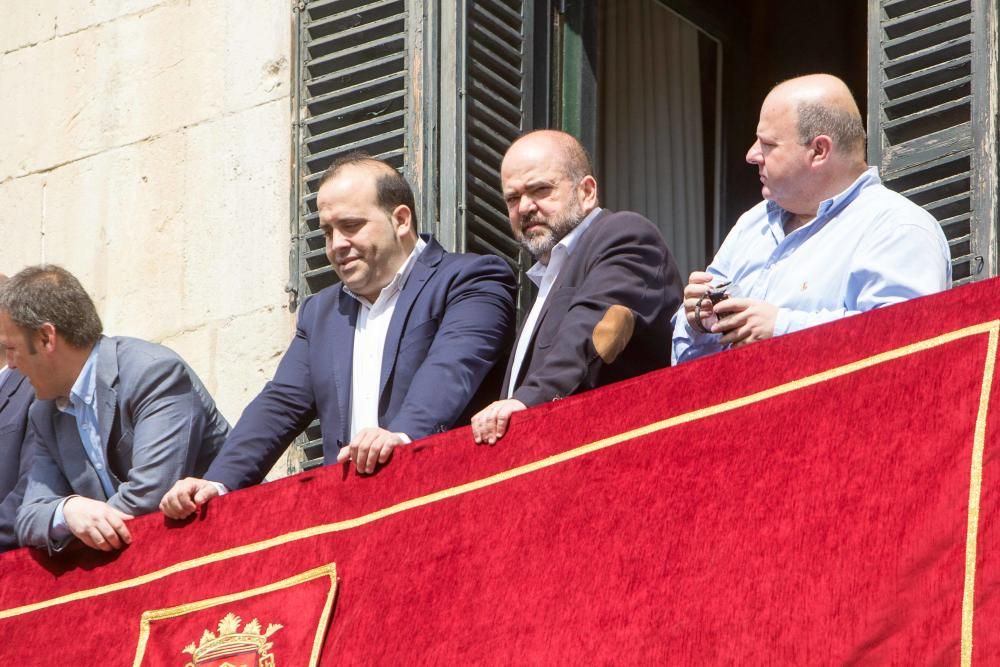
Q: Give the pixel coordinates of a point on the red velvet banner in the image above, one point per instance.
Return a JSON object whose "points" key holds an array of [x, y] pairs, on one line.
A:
{"points": [[825, 497]]}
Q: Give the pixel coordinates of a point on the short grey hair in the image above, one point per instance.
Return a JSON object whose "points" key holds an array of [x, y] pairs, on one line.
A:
{"points": [[49, 294], [843, 126]]}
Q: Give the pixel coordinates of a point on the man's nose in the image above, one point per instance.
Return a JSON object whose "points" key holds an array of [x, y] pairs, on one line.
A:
{"points": [[338, 241], [754, 155], [526, 205]]}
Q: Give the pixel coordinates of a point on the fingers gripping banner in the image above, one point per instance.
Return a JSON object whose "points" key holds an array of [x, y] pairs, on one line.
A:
{"points": [[821, 498]]}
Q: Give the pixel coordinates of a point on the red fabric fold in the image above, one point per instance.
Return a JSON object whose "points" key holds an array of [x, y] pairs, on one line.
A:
{"points": [[804, 500]]}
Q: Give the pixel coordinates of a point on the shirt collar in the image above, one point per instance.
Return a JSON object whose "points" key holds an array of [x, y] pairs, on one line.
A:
{"points": [[398, 280], [828, 207], [868, 177], [564, 247], [85, 387]]}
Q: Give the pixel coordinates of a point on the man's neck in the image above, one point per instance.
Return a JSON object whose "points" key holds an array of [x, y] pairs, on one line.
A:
{"points": [[796, 220], [837, 183], [830, 189], [73, 362]]}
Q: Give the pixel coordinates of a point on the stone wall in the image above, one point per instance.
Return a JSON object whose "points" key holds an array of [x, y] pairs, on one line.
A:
{"points": [[146, 146]]}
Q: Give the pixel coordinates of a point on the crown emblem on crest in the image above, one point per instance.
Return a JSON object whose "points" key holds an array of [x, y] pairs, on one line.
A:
{"points": [[233, 647]]}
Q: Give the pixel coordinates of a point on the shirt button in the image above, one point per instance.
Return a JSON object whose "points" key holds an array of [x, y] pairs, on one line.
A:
{"points": [[99, 466]]}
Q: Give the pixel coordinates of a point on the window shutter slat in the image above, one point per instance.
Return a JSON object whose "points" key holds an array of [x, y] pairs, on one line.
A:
{"points": [[353, 93], [495, 107], [931, 131]]}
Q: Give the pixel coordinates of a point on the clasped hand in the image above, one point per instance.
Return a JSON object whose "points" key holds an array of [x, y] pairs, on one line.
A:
{"points": [[490, 423], [369, 448], [739, 320], [96, 523]]}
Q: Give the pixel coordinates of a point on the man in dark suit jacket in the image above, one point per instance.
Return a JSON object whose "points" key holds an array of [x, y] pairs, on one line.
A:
{"points": [[117, 420], [608, 284], [16, 449], [394, 353]]}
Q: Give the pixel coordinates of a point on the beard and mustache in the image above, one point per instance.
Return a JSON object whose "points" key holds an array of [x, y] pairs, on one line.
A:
{"points": [[548, 232]]}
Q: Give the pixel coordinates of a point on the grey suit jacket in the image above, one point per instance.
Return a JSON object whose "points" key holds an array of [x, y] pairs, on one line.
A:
{"points": [[16, 450], [157, 424]]}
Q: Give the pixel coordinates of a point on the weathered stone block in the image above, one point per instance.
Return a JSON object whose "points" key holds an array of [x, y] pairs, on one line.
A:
{"points": [[236, 357], [21, 242], [139, 76], [174, 232]]}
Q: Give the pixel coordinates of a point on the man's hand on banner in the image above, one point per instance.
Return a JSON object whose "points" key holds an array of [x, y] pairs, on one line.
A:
{"points": [[97, 524], [186, 496]]}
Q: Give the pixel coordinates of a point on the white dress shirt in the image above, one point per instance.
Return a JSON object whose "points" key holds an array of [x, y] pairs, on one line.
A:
{"points": [[544, 276], [369, 342]]}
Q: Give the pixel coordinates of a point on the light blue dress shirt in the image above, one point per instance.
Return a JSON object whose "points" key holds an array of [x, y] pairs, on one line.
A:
{"points": [[867, 247], [82, 406]]}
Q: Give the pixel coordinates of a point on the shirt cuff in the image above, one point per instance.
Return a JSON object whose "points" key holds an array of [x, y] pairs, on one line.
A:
{"points": [[59, 530], [221, 488], [405, 438], [782, 322]]}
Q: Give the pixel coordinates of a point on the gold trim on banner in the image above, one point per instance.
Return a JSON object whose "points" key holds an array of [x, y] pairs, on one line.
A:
{"points": [[992, 328], [975, 493], [328, 570]]}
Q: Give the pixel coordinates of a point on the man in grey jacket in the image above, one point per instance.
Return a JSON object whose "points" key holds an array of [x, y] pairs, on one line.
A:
{"points": [[117, 420]]}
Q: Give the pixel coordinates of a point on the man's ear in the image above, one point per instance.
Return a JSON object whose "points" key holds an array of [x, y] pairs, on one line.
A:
{"points": [[822, 147], [402, 219], [45, 336], [587, 191]]}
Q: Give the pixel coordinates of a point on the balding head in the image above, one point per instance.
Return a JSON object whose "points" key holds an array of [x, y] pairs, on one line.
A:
{"points": [[824, 106], [549, 189], [564, 147], [810, 143]]}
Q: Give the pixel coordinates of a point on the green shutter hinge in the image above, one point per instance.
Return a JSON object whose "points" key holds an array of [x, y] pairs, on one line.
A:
{"points": [[293, 296]]}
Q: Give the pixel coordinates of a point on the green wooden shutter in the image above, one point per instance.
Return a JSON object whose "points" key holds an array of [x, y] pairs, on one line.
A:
{"points": [[497, 104], [487, 101], [932, 117], [355, 92]]}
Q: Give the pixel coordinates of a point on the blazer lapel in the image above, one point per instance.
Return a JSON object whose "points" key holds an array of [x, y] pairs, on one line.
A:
{"points": [[107, 395], [423, 269], [8, 385], [76, 465], [509, 381], [345, 318], [564, 273], [505, 387]]}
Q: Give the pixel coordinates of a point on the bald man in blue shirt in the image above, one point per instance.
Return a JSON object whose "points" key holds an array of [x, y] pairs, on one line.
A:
{"points": [[828, 241]]}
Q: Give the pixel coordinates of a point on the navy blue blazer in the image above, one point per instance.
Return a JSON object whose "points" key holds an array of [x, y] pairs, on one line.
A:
{"points": [[607, 316], [453, 321], [16, 450]]}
